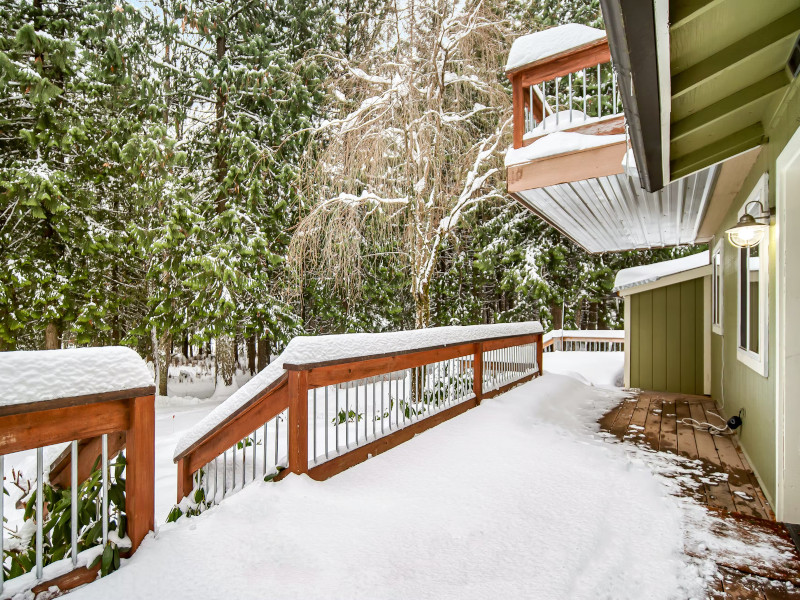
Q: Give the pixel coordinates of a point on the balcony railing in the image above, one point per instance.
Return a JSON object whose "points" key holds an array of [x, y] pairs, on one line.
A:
{"points": [[584, 340], [319, 411]]}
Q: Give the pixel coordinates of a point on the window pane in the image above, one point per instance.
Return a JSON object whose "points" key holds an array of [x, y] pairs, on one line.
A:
{"points": [[755, 271]]}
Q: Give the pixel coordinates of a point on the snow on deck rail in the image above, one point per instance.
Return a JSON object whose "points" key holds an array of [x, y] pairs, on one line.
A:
{"points": [[308, 351], [43, 375]]}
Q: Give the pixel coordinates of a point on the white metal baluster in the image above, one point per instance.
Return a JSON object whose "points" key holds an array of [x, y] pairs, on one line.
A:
{"points": [[599, 94], [570, 97], [104, 466], [224, 473], [347, 415], [614, 86], [73, 476], [264, 451], [233, 464], [544, 105], [315, 425], [397, 400], [383, 380], [39, 510], [557, 106], [325, 422], [533, 116], [216, 477], [365, 412], [336, 417], [585, 114], [255, 447], [277, 439]]}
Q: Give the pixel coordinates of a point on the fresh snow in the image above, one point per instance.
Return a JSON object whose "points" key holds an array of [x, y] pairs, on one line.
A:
{"points": [[519, 497], [559, 142], [604, 369], [550, 42], [35, 376], [558, 121], [313, 349], [634, 276]]}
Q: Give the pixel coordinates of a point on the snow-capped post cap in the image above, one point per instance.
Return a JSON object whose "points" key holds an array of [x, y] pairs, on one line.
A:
{"points": [[43, 375], [551, 42]]}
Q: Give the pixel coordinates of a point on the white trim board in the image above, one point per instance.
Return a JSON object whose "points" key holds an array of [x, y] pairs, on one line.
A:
{"points": [[787, 367], [667, 280]]}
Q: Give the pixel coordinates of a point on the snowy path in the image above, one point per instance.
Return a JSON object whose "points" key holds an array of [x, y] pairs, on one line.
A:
{"points": [[517, 498]]}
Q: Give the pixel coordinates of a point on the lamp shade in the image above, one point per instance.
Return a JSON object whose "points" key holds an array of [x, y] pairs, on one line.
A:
{"points": [[747, 232]]}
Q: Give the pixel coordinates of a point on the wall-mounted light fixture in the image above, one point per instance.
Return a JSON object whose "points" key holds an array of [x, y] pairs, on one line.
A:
{"points": [[750, 230]]}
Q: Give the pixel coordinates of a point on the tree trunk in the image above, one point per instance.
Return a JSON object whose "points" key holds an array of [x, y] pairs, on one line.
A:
{"points": [[579, 315], [51, 335], [422, 305], [251, 354], [263, 354], [593, 310], [186, 345], [226, 359], [557, 312], [164, 350]]}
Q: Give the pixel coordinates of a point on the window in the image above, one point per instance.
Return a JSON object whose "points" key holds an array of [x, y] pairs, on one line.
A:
{"points": [[716, 288], [753, 269]]}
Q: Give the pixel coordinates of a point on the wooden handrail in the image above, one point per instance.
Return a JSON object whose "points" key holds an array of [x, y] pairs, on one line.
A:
{"points": [[290, 392]]}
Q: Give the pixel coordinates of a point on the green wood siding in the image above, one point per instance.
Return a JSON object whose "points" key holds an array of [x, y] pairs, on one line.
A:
{"points": [[666, 353]]}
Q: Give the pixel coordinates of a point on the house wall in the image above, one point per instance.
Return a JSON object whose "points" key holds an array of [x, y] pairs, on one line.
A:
{"points": [[667, 338], [735, 386]]}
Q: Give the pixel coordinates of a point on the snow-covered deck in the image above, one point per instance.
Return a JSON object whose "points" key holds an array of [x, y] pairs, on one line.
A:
{"points": [[520, 497]]}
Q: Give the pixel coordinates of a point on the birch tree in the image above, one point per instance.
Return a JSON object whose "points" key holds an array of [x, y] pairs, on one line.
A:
{"points": [[411, 144]]}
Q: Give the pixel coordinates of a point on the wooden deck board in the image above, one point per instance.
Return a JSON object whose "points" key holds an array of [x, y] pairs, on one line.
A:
{"points": [[654, 420]]}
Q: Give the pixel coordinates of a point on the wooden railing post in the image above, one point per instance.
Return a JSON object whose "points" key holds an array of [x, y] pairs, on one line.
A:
{"points": [[518, 101], [477, 370], [184, 478], [140, 469], [298, 421], [539, 352]]}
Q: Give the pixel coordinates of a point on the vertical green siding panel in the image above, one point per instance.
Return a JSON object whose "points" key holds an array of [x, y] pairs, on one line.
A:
{"points": [[688, 358], [635, 349], [699, 336], [659, 339], [673, 325], [646, 333]]}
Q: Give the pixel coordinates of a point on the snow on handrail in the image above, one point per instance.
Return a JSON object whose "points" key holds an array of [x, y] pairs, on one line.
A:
{"points": [[305, 351], [615, 334]]}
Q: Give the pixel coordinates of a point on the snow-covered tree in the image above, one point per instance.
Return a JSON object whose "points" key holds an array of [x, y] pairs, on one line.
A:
{"points": [[412, 144]]}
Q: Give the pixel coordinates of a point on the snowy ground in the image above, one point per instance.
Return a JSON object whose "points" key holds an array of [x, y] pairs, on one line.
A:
{"points": [[517, 498], [592, 368]]}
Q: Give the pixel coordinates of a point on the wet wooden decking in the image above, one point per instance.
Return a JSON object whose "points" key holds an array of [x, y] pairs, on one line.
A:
{"points": [[723, 479]]}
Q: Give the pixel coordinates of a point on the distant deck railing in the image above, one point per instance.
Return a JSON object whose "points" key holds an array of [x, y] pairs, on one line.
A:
{"points": [[587, 340], [82, 499], [321, 412]]}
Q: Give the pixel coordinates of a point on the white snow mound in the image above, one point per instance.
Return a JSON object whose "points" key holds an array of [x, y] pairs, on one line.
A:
{"points": [[559, 142], [35, 376], [550, 42]]}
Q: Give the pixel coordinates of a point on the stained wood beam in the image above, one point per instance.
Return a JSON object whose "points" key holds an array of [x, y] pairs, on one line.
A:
{"points": [[738, 101], [606, 126], [565, 168], [687, 11], [742, 140], [736, 53]]}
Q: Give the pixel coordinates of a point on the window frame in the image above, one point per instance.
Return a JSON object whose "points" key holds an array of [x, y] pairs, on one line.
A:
{"points": [[755, 360], [717, 287]]}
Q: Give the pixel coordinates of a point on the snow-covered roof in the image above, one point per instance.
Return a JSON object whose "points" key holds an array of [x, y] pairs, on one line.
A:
{"points": [[559, 142], [307, 350], [550, 42], [36, 376], [635, 276]]}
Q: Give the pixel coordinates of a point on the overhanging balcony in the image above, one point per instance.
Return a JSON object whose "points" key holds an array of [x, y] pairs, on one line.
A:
{"points": [[570, 161]]}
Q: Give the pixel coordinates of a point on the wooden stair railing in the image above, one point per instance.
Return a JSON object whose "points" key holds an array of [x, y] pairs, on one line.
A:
{"points": [[291, 393]]}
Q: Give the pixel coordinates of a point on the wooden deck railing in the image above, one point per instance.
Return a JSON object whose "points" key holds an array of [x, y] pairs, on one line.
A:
{"points": [[321, 417], [90, 499], [599, 340]]}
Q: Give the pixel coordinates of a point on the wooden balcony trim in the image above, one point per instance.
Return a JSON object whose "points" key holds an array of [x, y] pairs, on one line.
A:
{"points": [[571, 61], [30, 407], [602, 161]]}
